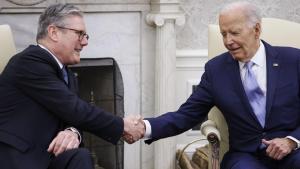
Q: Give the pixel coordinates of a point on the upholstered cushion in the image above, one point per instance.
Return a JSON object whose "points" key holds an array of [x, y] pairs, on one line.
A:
{"points": [[200, 157], [7, 45]]}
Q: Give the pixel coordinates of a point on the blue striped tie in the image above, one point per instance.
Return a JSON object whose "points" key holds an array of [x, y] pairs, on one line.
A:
{"points": [[255, 94], [65, 74]]}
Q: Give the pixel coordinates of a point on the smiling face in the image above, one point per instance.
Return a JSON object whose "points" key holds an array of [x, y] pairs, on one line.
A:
{"points": [[70, 40], [240, 37]]}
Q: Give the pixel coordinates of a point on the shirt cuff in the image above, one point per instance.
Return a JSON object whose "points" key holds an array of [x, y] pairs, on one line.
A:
{"points": [[75, 131], [295, 140], [147, 134]]}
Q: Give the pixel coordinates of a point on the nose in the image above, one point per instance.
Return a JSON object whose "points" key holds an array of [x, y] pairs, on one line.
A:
{"points": [[84, 41], [227, 39]]}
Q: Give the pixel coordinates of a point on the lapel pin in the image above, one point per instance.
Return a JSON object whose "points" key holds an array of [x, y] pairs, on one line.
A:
{"points": [[275, 64]]}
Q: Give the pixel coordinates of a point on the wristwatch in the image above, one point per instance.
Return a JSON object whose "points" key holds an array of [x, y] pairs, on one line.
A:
{"points": [[75, 131]]}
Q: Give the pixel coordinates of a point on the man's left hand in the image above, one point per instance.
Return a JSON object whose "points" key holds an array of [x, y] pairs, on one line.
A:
{"points": [[279, 147], [65, 140]]}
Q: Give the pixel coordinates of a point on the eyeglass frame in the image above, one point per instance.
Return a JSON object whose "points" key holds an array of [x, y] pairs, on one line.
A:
{"points": [[81, 34]]}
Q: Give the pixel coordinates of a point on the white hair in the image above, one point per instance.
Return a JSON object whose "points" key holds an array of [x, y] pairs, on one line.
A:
{"points": [[251, 12]]}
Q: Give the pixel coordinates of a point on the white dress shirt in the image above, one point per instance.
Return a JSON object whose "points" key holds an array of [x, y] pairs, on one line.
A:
{"points": [[259, 68], [58, 62]]}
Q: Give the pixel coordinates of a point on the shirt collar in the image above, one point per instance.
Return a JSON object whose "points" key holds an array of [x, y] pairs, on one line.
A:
{"points": [[58, 62], [259, 58]]}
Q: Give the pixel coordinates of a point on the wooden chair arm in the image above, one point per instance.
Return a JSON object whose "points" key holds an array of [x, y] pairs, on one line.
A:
{"points": [[209, 129]]}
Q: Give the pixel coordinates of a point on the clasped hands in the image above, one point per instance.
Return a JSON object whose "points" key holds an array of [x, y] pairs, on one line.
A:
{"points": [[134, 129]]}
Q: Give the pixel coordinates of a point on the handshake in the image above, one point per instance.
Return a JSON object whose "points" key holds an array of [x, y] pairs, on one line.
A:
{"points": [[134, 129]]}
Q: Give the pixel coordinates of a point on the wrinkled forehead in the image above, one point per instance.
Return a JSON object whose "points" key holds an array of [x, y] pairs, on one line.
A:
{"points": [[232, 19], [234, 13]]}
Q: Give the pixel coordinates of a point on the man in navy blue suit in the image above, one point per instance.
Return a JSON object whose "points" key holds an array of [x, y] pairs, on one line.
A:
{"points": [[261, 102], [39, 104]]}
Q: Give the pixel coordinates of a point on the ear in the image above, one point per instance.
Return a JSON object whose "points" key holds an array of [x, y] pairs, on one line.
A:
{"points": [[53, 33], [257, 30]]}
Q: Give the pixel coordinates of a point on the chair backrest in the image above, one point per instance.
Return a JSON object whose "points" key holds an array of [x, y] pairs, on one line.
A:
{"points": [[277, 32], [7, 45]]}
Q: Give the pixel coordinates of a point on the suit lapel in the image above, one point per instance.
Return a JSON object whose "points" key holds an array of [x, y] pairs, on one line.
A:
{"points": [[273, 66], [234, 73], [51, 61]]}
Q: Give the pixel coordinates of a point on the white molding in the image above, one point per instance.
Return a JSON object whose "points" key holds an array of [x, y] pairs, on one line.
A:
{"points": [[189, 85], [159, 19], [163, 10], [191, 59], [192, 52]]}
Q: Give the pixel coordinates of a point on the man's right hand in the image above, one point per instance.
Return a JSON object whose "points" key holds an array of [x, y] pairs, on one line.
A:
{"points": [[278, 148], [134, 129], [65, 140]]}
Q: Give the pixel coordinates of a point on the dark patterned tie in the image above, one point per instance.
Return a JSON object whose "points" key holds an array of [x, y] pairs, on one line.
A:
{"points": [[65, 74], [255, 94]]}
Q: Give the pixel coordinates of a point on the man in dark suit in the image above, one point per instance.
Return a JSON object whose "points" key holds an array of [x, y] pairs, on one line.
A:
{"points": [[39, 101], [257, 88]]}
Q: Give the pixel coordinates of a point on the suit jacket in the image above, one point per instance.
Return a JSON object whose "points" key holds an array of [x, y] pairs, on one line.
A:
{"points": [[221, 85], [35, 102]]}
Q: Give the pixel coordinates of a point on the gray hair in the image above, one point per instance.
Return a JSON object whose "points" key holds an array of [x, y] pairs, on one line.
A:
{"points": [[252, 13], [55, 14]]}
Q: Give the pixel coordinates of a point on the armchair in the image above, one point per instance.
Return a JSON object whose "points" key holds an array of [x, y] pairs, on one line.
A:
{"points": [[277, 32], [7, 45]]}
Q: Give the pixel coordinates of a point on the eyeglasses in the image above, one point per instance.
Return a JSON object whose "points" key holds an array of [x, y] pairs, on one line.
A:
{"points": [[81, 34]]}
